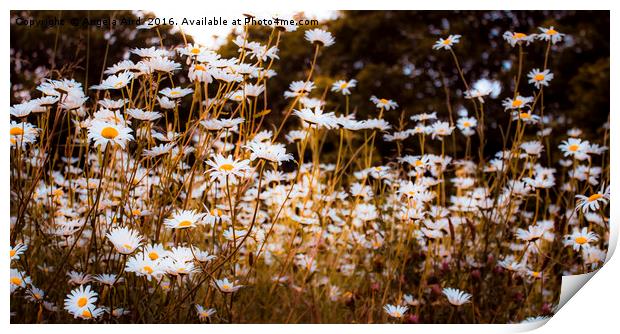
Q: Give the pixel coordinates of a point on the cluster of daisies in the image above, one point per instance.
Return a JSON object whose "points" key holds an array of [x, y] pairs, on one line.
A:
{"points": [[184, 198]]}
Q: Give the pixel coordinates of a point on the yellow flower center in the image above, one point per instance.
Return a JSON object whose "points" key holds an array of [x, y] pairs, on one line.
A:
{"points": [[127, 246], [227, 167], [136, 212], [17, 131], [594, 197], [343, 85], [539, 77], [447, 41], [216, 212], [517, 103], [466, 124], [58, 192], [581, 240], [86, 314], [573, 148], [174, 92], [119, 84], [185, 223], [397, 314], [525, 115], [82, 302], [551, 32], [199, 67], [419, 163], [518, 35], [383, 101], [109, 132], [148, 269], [225, 287], [195, 51], [16, 280], [13, 252], [36, 296], [153, 256]]}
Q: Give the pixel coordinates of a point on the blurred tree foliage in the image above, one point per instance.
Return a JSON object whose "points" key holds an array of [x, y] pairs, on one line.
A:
{"points": [[81, 52], [390, 54]]}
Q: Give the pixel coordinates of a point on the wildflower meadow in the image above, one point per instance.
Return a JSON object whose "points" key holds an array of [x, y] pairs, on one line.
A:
{"points": [[184, 186]]}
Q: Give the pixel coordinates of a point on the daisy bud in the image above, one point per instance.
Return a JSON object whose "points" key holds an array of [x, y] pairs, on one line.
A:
{"points": [[518, 297], [475, 274], [498, 270], [413, 319], [436, 289]]}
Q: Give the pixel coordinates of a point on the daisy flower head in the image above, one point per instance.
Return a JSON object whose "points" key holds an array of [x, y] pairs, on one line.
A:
{"points": [[483, 88], [204, 313], [446, 43], [580, 239], [540, 78], [124, 239], [200, 72], [222, 167], [456, 296], [143, 115], [342, 86], [117, 81], [317, 117], [574, 147], [160, 64], [143, 265], [176, 92], [532, 233], [383, 103], [395, 311], [517, 103], [275, 152], [104, 133], [525, 117], [299, 88], [166, 103], [17, 250], [18, 279], [155, 251], [214, 124], [550, 34], [441, 129], [319, 37], [192, 50], [108, 279], [514, 38], [533, 147], [35, 294], [226, 286], [184, 219], [22, 133], [158, 150], [592, 202], [78, 278], [81, 301], [466, 125], [23, 109]]}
